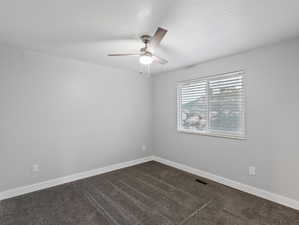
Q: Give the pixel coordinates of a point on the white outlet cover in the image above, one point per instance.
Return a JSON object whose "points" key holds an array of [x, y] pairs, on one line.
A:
{"points": [[35, 168], [143, 148], [252, 171]]}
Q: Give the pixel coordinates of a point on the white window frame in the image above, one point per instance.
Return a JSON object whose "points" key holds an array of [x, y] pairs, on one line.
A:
{"points": [[208, 132]]}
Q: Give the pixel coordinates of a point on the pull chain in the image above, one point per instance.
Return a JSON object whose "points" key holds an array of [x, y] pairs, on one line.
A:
{"points": [[145, 70]]}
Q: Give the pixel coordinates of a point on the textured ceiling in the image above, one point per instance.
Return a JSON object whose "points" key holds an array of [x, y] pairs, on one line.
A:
{"points": [[199, 30]]}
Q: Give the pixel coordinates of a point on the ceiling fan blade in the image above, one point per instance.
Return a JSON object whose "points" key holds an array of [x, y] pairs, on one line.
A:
{"points": [[125, 54], [158, 36], [159, 59]]}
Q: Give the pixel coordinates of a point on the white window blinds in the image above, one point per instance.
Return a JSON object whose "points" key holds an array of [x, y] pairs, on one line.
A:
{"points": [[213, 105]]}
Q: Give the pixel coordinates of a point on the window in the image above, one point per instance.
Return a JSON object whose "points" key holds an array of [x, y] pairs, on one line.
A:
{"points": [[213, 105]]}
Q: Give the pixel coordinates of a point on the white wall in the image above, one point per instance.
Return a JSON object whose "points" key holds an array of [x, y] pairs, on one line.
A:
{"points": [[273, 121], [67, 116]]}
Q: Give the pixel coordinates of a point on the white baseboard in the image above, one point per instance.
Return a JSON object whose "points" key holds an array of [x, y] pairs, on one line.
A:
{"points": [[234, 184], [62, 180]]}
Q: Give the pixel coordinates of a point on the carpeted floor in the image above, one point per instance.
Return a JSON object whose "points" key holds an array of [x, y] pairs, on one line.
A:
{"points": [[146, 194]]}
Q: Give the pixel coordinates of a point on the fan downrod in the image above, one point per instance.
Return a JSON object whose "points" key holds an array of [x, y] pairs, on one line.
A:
{"points": [[145, 38]]}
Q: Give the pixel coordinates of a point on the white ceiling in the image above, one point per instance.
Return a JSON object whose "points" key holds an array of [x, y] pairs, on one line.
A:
{"points": [[198, 30]]}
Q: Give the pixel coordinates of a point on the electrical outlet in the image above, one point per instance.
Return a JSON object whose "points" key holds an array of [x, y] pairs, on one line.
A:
{"points": [[143, 148], [35, 168], [252, 171]]}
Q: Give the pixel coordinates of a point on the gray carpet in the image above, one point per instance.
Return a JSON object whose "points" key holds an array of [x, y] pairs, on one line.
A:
{"points": [[146, 194]]}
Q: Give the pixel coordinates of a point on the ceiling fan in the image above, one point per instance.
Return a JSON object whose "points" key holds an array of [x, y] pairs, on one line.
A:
{"points": [[146, 56]]}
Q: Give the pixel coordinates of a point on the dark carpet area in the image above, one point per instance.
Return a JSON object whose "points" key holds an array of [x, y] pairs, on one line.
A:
{"points": [[146, 194]]}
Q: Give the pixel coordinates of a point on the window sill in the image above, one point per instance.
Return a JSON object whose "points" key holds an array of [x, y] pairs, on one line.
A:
{"points": [[213, 134]]}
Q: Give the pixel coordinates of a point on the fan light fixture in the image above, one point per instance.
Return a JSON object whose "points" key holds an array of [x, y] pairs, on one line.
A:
{"points": [[146, 59]]}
